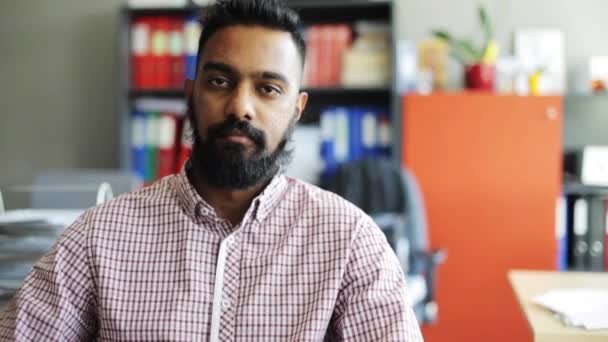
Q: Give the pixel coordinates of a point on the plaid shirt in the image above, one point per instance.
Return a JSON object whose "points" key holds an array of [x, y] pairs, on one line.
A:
{"points": [[159, 265]]}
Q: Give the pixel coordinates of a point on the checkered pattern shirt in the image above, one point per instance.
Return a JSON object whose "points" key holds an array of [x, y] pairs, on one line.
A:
{"points": [[158, 264]]}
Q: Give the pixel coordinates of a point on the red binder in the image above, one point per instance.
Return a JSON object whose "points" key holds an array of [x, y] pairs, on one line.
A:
{"points": [[160, 52], [325, 53], [312, 57], [141, 59], [343, 37], [177, 53]]}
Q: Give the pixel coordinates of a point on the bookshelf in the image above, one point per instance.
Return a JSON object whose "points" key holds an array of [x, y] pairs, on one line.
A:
{"points": [[312, 12], [575, 188]]}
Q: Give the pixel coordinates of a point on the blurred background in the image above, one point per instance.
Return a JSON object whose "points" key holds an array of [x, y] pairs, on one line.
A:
{"points": [[493, 114]]}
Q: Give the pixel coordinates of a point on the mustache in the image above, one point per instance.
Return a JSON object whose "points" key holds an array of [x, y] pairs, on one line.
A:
{"points": [[231, 125]]}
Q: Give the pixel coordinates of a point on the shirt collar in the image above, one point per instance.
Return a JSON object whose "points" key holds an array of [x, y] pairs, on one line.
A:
{"points": [[197, 208], [270, 197]]}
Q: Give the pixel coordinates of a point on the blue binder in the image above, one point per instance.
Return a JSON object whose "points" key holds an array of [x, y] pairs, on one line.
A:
{"points": [[355, 133], [561, 230], [328, 136], [191, 43], [138, 144]]}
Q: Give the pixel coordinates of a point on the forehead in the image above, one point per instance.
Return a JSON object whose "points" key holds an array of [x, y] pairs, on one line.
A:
{"points": [[253, 48]]}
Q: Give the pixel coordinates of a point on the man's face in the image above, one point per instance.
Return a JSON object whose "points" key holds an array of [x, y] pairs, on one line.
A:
{"points": [[244, 104]]}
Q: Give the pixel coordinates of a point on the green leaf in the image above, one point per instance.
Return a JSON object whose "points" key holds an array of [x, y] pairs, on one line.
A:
{"points": [[466, 46], [443, 35], [458, 57], [486, 26]]}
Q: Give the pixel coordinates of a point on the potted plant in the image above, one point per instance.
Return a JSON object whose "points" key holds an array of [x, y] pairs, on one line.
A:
{"points": [[479, 63]]}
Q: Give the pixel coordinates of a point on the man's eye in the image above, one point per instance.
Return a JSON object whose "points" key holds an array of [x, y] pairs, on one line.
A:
{"points": [[219, 82], [270, 90]]}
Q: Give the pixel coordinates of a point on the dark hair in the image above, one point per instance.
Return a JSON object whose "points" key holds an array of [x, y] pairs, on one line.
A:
{"points": [[272, 14]]}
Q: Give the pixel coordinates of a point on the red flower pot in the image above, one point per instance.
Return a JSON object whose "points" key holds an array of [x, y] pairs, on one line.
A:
{"points": [[480, 77]]}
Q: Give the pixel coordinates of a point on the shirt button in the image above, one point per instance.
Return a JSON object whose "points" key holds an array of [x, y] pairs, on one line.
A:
{"points": [[226, 303]]}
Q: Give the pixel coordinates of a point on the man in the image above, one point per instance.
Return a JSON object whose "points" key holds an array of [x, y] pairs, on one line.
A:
{"points": [[230, 249]]}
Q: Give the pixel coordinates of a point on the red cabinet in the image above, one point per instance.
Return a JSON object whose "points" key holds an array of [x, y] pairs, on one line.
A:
{"points": [[489, 167]]}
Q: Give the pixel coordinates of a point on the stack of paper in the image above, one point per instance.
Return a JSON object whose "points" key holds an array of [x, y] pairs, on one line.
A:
{"points": [[156, 3], [25, 236], [581, 307]]}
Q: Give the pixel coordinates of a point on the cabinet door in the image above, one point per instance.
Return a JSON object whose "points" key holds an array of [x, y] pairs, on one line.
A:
{"points": [[490, 169]]}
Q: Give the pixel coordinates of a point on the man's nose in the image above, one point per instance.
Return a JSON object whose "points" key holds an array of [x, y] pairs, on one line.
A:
{"points": [[241, 103]]}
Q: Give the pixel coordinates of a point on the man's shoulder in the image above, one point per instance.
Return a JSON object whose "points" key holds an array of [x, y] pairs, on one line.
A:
{"points": [[157, 196], [311, 198]]}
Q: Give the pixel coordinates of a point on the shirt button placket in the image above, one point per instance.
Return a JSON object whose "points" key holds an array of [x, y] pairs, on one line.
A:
{"points": [[226, 303], [230, 289]]}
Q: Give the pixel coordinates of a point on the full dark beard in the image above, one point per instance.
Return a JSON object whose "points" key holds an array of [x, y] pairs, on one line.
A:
{"points": [[230, 166]]}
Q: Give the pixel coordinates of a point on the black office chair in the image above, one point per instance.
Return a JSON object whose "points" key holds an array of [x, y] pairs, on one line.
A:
{"points": [[391, 196]]}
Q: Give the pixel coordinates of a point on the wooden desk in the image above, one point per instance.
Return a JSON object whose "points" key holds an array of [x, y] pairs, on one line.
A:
{"points": [[544, 325]]}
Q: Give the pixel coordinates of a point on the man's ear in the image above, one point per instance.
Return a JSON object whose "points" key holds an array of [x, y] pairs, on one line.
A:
{"points": [[188, 88], [301, 104]]}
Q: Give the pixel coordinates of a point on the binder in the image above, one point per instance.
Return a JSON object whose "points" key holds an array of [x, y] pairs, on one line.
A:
{"points": [[580, 244], [369, 132], [152, 134], [324, 55], [138, 144], [384, 134], [605, 234], [312, 57], [192, 33], [177, 53], [355, 133], [343, 40], [141, 59], [160, 52], [596, 235], [342, 133], [185, 148], [327, 148], [561, 220], [167, 146]]}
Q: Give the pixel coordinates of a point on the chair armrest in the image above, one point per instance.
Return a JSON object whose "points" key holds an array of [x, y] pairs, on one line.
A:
{"points": [[432, 257]]}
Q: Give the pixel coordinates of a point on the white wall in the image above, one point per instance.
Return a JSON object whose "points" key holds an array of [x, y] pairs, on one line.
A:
{"points": [[583, 22], [58, 65]]}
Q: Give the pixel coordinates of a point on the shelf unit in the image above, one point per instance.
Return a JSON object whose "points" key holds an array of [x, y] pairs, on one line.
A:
{"points": [[311, 12], [571, 188]]}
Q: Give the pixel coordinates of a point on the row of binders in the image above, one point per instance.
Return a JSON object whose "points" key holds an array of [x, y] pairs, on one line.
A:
{"points": [[163, 51], [160, 143], [347, 56], [325, 47], [351, 133], [582, 232]]}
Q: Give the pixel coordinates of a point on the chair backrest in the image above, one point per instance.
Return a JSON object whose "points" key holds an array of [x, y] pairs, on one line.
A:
{"points": [[77, 188], [379, 187]]}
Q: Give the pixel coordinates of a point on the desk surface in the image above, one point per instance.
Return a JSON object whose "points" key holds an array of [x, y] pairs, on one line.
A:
{"points": [[545, 326]]}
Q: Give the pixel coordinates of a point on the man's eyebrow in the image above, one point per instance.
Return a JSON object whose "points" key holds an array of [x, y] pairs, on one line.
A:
{"points": [[271, 75], [230, 70], [221, 67]]}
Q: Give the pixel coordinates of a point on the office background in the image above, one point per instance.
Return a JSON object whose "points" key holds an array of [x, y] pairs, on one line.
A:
{"points": [[59, 77], [59, 65]]}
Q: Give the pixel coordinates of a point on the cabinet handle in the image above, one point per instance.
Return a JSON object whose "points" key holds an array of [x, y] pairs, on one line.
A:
{"points": [[551, 113]]}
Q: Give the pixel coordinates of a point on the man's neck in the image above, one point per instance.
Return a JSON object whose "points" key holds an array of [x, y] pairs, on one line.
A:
{"points": [[228, 204]]}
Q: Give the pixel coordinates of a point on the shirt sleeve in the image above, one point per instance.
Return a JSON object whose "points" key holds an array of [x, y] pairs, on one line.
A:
{"points": [[57, 300], [372, 304]]}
